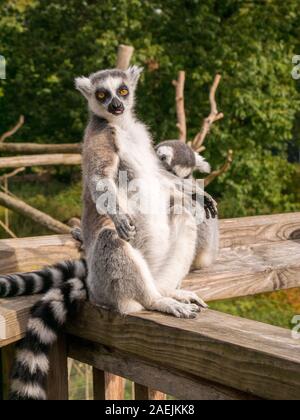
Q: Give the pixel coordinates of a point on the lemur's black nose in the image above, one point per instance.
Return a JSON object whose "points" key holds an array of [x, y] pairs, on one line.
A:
{"points": [[116, 106]]}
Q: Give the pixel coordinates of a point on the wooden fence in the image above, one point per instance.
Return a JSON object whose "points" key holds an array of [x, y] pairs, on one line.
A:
{"points": [[216, 356]]}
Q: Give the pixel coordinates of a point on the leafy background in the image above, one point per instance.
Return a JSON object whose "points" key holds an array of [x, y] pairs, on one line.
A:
{"points": [[251, 43]]}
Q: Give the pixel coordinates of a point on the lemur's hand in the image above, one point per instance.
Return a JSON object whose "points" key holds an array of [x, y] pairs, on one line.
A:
{"points": [[124, 225], [210, 206]]}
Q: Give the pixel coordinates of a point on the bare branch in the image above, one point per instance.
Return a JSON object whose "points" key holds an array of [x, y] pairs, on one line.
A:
{"points": [[181, 119], [20, 207], [13, 130], [40, 160], [7, 230], [33, 148], [125, 53], [214, 116], [11, 174], [220, 171]]}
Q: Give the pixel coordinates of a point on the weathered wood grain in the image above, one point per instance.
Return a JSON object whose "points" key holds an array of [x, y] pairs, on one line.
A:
{"points": [[57, 383], [40, 160], [246, 355], [26, 254], [259, 229], [248, 270], [240, 271], [14, 315], [172, 382], [107, 386]]}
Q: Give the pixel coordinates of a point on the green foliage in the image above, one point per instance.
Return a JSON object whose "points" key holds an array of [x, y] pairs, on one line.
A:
{"points": [[48, 43], [274, 309]]}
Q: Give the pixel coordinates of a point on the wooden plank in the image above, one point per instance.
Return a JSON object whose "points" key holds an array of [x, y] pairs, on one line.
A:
{"points": [[6, 362], [259, 229], [255, 358], [14, 315], [170, 381], [26, 254], [248, 270], [240, 271], [57, 384], [40, 160], [107, 386]]}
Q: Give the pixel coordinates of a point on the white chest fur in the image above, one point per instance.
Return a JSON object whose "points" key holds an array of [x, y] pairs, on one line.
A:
{"points": [[135, 150]]}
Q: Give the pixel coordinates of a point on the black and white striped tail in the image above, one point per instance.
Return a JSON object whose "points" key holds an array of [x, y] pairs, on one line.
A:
{"points": [[43, 280], [47, 318]]}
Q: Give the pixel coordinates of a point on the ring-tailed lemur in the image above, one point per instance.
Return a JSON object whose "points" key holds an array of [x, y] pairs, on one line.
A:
{"points": [[178, 158], [135, 260]]}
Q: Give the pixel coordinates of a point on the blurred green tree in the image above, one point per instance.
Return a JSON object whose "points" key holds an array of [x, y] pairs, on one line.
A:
{"points": [[48, 42]]}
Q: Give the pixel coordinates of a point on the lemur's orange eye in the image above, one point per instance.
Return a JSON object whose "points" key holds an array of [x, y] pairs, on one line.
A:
{"points": [[101, 95], [123, 92]]}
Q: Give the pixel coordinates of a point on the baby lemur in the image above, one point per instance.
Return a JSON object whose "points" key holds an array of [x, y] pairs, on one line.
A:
{"points": [[137, 250], [177, 157]]}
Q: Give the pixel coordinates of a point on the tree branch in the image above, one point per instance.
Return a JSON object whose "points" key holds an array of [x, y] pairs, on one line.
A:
{"points": [[220, 171], [11, 174], [40, 160], [7, 230], [33, 148], [181, 119], [13, 130], [125, 53], [197, 143], [19, 206]]}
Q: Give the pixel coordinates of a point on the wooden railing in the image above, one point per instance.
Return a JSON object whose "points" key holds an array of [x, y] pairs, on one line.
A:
{"points": [[216, 356]]}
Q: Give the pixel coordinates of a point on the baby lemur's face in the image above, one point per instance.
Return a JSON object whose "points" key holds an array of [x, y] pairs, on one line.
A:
{"points": [[179, 158], [110, 93]]}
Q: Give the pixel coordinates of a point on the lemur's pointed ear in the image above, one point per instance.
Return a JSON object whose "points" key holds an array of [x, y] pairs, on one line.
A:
{"points": [[84, 85], [133, 73], [202, 165]]}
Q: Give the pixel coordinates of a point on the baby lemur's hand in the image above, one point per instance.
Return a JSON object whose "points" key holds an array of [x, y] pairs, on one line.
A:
{"points": [[124, 225], [210, 206]]}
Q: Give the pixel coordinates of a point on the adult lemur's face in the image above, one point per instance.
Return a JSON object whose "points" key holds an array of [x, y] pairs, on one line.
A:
{"points": [[110, 93]]}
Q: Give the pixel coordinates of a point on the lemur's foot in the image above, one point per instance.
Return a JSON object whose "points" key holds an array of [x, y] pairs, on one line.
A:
{"points": [[173, 307], [185, 296]]}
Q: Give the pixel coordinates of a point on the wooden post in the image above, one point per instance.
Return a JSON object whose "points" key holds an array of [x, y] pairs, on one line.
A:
{"points": [[6, 361], [142, 392], [124, 56], [57, 386], [108, 386]]}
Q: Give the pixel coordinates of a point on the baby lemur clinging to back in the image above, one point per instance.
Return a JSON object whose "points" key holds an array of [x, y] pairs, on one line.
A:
{"points": [[177, 157]]}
